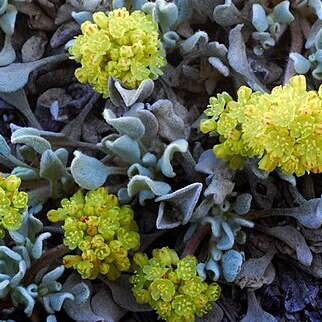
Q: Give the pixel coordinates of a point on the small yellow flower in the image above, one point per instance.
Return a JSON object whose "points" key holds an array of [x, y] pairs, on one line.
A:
{"points": [[283, 129], [122, 45]]}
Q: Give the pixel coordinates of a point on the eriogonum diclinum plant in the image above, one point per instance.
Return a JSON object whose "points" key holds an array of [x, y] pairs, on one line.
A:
{"points": [[124, 45], [282, 129], [103, 231], [172, 286], [12, 203]]}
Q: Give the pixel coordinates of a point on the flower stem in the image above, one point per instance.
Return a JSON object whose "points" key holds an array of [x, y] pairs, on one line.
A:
{"points": [[194, 242]]}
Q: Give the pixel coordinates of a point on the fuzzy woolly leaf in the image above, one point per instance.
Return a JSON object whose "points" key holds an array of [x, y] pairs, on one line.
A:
{"points": [[259, 19], [165, 13], [32, 138], [164, 162], [88, 172], [82, 16], [38, 245], [301, 64], [129, 96], [126, 148], [7, 53], [140, 183], [131, 126], [182, 203], [231, 263], [281, 13], [21, 295], [51, 167], [15, 76], [218, 65], [104, 306], [199, 37], [227, 14], [243, 203], [7, 20]]}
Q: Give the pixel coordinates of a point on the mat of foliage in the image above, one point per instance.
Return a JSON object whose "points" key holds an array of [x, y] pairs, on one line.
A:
{"points": [[256, 233]]}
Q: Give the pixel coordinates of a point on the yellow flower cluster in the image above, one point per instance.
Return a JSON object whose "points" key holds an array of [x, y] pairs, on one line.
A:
{"points": [[122, 45], [103, 231], [171, 286], [283, 129], [12, 203]]}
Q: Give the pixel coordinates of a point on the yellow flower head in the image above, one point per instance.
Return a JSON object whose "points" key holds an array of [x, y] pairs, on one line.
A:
{"points": [[103, 231], [172, 286], [283, 129], [12, 203], [123, 45]]}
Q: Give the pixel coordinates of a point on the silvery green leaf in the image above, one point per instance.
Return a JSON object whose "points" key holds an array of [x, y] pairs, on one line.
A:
{"points": [[259, 19], [170, 40], [104, 306], [139, 183], [164, 163], [118, 4], [51, 167], [51, 318], [317, 72], [215, 253], [185, 9], [62, 155], [129, 96], [231, 264], [126, 148], [171, 126], [149, 121], [7, 20], [149, 160], [24, 173], [287, 177], [7, 252], [227, 239], [137, 168], [243, 203], [316, 5], [255, 312], [218, 65], [309, 214], [123, 196], [37, 247], [22, 296], [53, 275], [7, 53], [293, 238], [15, 76], [181, 205], [4, 147], [16, 279], [219, 188], [122, 294], [163, 12], [82, 16], [30, 137], [201, 270], [145, 195], [54, 301], [83, 312], [252, 165], [4, 288], [301, 64], [19, 100], [215, 225], [131, 126], [3, 6], [227, 14], [312, 36], [23, 251], [252, 273], [281, 13], [199, 37], [88, 172], [213, 269], [214, 48], [318, 56], [238, 59]]}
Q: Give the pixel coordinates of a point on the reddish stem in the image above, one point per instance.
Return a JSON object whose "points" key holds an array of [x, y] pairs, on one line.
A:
{"points": [[296, 47], [194, 242]]}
